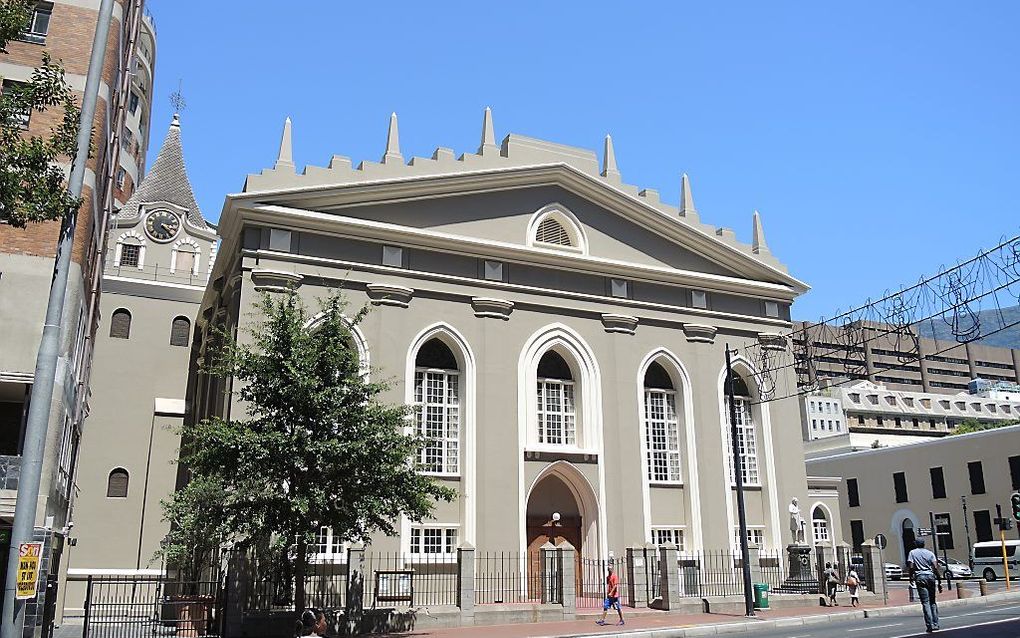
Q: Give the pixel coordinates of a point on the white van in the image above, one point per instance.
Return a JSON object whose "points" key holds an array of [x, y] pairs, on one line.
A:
{"points": [[988, 559]]}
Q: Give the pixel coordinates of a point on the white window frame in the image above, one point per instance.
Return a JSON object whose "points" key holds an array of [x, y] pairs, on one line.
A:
{"points": [[662, 437], [747, 438], [662, 534], [755, 534], [567, 413], [450, 408], [335, 551], [448, 541], [820, 530]]}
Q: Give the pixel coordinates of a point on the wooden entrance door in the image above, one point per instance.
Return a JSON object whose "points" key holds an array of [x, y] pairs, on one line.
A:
{"points": [[542, 532]]}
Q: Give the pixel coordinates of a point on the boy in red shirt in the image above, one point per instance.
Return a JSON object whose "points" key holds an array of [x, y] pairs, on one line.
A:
{"points": [[612, 598]]}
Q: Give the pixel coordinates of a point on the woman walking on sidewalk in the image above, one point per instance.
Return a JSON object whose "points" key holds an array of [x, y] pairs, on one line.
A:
{"points": [[612, 598], [831, 582], [853, 585]]}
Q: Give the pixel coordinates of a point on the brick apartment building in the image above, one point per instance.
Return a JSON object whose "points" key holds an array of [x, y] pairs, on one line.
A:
{"points": [[65, 29]]}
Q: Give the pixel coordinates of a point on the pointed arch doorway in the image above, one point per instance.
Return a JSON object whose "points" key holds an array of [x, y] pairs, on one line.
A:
{"points": [[561, 507]]}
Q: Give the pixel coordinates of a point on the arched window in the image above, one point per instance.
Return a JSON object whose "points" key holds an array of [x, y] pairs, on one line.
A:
{"points": [[662, 426], [117, 483], [820, 525], [180, 331], [557, 418], [120, 324], [437, 407], [551, 231], [747, 436]]}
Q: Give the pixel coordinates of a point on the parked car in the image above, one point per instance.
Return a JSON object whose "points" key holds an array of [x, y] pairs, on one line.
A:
{"points": [[956, 569], [988, 558], [893, 571]]}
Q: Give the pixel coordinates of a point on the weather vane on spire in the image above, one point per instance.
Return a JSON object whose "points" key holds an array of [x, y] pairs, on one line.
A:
{"points": [[177, 99]]}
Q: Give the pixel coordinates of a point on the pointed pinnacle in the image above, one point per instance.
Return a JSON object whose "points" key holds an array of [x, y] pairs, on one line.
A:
{"points": [[393, 143], [687, 208], [488, 144], [609, 170], [285, 158], [758, 244]]}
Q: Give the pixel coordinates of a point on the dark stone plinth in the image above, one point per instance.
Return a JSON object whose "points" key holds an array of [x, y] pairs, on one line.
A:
{"points": [[801, 579]]}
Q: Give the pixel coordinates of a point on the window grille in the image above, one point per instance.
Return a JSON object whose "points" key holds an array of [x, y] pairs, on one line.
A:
{"points": [[662, 435], [180, 331], [746, 441], [117, 484], [130, 255], [120, 324], [551, 231]]}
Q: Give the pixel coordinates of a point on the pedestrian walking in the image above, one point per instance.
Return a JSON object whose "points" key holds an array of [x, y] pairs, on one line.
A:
{"points": [[612, 597], [831, 583], [312, 623], [926, 576], [853, 585]]}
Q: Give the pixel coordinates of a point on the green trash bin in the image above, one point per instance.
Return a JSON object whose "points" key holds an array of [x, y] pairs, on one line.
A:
{"points": [[761, 596]]}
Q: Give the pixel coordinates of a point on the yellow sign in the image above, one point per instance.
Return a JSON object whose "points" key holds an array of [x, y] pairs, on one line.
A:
{"points": [[28, 569]]}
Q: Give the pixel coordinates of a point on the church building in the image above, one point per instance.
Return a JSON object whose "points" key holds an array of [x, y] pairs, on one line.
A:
{"points": [[562, 331]]}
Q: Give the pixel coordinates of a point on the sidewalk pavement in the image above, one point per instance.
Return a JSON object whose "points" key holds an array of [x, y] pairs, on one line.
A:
{"points": [[652, 624]]}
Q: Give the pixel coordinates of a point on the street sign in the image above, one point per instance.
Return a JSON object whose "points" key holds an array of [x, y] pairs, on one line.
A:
{"points": [[28, 569], [881, 541], [1015, 502], [924, 531]]}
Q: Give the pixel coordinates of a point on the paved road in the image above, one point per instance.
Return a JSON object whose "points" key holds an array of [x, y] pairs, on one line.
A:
{"points": [[998, 621]]}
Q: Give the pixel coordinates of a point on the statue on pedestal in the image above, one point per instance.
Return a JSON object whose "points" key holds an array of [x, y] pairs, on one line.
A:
{"points": [[796, 522]]}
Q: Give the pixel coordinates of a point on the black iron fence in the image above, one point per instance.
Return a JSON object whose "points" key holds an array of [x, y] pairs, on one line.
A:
{"points": [[511, 577], [143, 606], [414, 580], [592, 581]]}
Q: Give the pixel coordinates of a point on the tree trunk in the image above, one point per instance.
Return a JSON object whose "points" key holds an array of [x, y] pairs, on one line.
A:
{"points": [[300, 563]]}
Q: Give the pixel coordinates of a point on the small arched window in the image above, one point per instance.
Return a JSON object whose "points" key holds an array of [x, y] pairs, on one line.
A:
{"points": [[180, 331], [820, 525], [437, 407], [120, 324], [117, 483], [557, 416], [551, 231]]}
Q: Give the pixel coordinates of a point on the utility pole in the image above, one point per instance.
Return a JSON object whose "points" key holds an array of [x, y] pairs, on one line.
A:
{"points": [[13, 622], [739, 480], [1003, 526]]}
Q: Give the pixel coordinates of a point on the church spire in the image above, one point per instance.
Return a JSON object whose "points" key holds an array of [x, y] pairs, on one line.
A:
{"points": [[687, 208], [758, 244], [488, 144], [167, 181], [285, 158], [609, 170], [393, 143]]}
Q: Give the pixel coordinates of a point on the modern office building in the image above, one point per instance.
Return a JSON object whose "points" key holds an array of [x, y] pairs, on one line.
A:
{"points": [[871, 415], [958, 478], [581, 320], [65, 29], [908, 363], [159, 256]]}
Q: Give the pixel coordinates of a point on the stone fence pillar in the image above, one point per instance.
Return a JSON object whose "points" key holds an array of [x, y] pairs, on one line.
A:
{"points": [[568, 579], [754, 558], [355, 589], [466, 583], [669, 576], [875, 576], [637, 577]]}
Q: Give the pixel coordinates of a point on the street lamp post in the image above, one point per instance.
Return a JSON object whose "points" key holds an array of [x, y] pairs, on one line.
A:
{"points": [[739, 481]]}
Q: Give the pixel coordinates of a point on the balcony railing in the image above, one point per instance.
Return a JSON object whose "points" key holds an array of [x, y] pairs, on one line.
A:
{"points": [[158, 273]]}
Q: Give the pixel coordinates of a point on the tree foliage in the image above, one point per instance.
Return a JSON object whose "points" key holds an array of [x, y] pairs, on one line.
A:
{"points": [[317, 447], [973, 425], [33, 187]]}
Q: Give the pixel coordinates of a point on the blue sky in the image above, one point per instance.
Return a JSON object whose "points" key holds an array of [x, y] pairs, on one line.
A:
{"points": [[879, 140]]}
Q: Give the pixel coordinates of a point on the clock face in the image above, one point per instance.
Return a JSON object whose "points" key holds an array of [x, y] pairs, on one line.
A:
{"points": [[162, 225]]}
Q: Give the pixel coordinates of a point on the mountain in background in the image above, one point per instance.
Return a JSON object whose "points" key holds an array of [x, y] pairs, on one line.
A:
{"points": [[991, 320]]}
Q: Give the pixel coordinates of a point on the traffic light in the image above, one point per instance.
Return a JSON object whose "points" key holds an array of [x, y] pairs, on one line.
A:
{"points": [[1015, 502]]}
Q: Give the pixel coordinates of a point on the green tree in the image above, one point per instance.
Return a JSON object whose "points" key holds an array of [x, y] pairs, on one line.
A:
{"points": [[973, 425], [33, 187], [317, 447]]}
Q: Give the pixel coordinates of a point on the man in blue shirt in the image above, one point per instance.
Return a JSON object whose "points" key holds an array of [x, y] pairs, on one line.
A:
{"points": [[925, 575]]}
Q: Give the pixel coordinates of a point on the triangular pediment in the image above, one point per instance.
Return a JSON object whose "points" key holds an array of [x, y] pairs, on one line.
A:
{"points": [[502, 208]]}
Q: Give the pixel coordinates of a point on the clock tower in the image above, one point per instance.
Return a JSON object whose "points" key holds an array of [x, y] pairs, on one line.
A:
{"points": [[160, 249]]}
